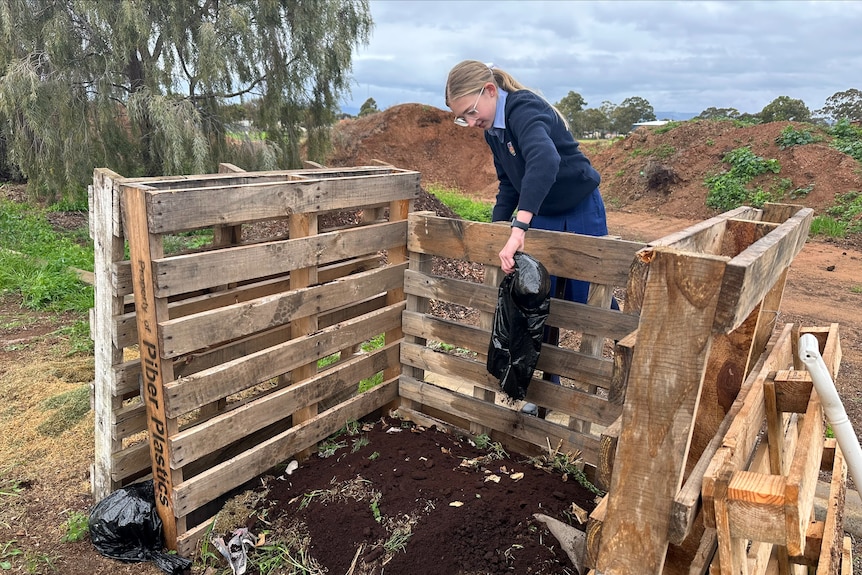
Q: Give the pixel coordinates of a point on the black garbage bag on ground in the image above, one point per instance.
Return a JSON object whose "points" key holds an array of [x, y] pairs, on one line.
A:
{"points": [[523, 302], [125, 526]]}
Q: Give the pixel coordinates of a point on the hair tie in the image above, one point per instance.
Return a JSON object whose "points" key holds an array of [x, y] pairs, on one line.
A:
{"points": [[490, 65]]}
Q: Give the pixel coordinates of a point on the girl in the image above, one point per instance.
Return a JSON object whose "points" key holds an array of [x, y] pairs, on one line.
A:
{"points": [[544, 178]]}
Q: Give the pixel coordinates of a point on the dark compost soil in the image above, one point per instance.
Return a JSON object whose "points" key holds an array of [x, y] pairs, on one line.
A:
{"points": [[463, 509]]}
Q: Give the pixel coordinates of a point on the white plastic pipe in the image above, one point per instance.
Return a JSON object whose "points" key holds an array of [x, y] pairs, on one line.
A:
{"points": [[809, 353]]}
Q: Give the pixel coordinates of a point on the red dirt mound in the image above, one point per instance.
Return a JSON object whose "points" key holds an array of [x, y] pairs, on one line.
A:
{"points": [[417, 137]]}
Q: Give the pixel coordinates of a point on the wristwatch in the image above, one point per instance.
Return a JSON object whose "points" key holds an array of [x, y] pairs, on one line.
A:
{"points": [[520, 225]]}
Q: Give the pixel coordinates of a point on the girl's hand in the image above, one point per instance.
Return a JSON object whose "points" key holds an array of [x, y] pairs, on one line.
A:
{"points": [[514, 244]]}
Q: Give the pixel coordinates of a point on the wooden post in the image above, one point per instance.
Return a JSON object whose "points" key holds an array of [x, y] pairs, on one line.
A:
{"points": [[664, 386], [108, 247], [155, 370]]}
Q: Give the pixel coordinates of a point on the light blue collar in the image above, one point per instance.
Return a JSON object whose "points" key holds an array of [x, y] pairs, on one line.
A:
{"points": [[499, 125]]}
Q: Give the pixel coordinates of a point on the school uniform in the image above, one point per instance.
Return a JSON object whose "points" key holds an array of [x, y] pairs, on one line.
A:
{"points": [[542, 170]]}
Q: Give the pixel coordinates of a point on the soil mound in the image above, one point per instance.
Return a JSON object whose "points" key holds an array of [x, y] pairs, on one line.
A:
{"points": [[417, 137], [657, 170]]}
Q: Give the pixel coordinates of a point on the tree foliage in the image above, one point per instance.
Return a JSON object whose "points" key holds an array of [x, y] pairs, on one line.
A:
{"points": [[846, 105], [369, 106], [629, 112], [714, 113], [571, 106], [140, 87], [785, 109]]}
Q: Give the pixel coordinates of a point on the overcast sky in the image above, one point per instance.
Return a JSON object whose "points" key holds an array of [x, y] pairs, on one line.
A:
{"points": [[682, 56]]}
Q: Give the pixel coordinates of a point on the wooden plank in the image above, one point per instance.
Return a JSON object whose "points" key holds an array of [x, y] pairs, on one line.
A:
{"points": [[108, 247], [751, 274], [224, 429], [779, 213], [177, 210], [564, 314], [756, 503], [568, 363], [705, 237], [192, 272], [623, 355], [561, 399], [188, 181], [687, 502], [398, 213], [601, 260], [198, 331], [218, 480], [493, 277], [831, 548], [188, 392], [739, 441], [303, 225], [509, 422], [802, 479], [144, 248], [664, 385], [126, 330]]}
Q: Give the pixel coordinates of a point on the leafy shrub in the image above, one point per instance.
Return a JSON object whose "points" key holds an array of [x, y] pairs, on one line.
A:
{"points": [[847, 138], [790, 137], [727, 190]]}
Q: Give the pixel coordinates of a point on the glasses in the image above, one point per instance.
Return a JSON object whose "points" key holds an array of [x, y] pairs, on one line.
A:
{"points": [[471, 113]]}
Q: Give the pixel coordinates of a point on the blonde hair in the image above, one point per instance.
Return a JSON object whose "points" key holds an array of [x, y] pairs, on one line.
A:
{"points": [[469, 76]]}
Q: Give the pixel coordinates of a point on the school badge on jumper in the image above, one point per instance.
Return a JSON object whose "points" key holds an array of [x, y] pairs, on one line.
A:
{"points": [[511, 148]]}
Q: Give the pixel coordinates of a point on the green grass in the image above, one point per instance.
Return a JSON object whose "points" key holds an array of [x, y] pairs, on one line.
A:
{"points": [[465, 207], [35, 260]]}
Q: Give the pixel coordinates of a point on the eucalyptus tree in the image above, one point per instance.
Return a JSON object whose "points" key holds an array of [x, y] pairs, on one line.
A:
{"points": [[785, 109], [139, 86], [844, 105]]}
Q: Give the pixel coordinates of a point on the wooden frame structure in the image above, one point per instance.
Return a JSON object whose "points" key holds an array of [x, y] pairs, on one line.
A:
{"points": [[230, 336]]}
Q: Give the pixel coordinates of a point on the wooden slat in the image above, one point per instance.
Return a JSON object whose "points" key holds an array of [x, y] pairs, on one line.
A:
{"points": [[171, 211], [106, 397], [188, 393], [189, 181], [601, 260], [563, 314], [509, 422], [192, 272], [126, 330], [568, 363], [663, 390], [558, 398], [144, 248], [751, 274], [224, 429], [218, 480], [831, 547], [230, 322], [802, 479], [741, 437], [687, 502]]}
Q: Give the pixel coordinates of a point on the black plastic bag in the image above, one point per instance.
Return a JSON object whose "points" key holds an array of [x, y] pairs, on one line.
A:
{"points": [[125, 526], [523, 302]]}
